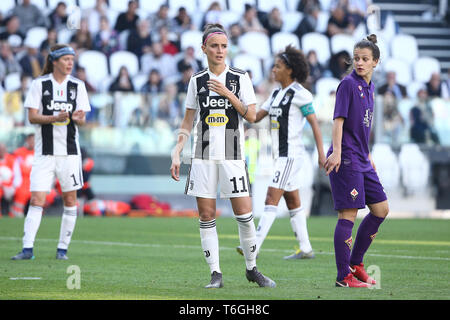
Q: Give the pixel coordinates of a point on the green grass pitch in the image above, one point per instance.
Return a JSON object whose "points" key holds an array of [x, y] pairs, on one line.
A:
{"points": [[161, 259]]}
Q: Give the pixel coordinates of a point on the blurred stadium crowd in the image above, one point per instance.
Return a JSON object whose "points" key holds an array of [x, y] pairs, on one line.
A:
{"points": [[136, 58]]}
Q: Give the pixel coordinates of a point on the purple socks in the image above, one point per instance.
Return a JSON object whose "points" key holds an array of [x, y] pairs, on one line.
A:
{"points": [[343, 242]]}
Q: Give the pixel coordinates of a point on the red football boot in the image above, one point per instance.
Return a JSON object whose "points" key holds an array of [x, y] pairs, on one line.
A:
{"points": [[360, 273], [351, 282]]}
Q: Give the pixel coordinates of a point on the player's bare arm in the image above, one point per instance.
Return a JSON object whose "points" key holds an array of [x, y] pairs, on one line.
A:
{"points": [[334, 160], [261, 114], [79, 117], [247, 112], [36, 118], [183, 136], [312, 119]]}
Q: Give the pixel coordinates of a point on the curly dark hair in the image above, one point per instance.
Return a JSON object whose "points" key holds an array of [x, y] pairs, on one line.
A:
{"points": [[295, 60]]}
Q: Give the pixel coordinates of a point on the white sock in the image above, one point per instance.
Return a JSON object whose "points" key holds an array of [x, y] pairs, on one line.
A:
{"points": [[247, 237], [69, 218], [31, 226], [298, 223], [210, 244], [265, 223]]}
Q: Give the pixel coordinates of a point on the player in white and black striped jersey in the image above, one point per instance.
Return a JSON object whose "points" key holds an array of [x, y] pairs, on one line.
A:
{"points": [[56, 104], [221, 97], [289, 107]]}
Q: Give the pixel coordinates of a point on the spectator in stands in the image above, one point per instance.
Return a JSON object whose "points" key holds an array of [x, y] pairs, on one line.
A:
{"points": [[189, 60], [81, 74], [29, 15], [8, 62], [303, 5], [391, 85], [58, 17], [52, 39], [422, 120], [169, 46], [169, 105], [274, 22], [186, 72], [212, 15], [139, 40], [434, 85], [392, 120], [82, 39], [107, 39], [93, 16], [128, 20], [309, 21], [159, 60], [358, 10], [32, 62], [12, 24], [160, 18], [339, 23], [122, 82], [154, 84], [266, 86], [339, 64], [250, 21], [181, 22], [316, 70], [233, 40]]}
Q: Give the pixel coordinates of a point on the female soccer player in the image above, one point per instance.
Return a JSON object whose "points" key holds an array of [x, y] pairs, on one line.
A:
{"points": [[222, 97], [354, 182], [56, 104], [288, 108]]}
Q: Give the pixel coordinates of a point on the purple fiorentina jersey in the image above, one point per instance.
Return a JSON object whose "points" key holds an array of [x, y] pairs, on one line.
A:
{"points": [[354, 102]]}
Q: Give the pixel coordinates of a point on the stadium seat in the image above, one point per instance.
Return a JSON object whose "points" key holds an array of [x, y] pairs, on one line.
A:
{"points": [[35, 36], [64, 35], [318, 42], [249, 62], [87, 4], [413, 88], [118, 5], [268, 5], [280, 40], [192, 38], [139, 80], [415, 168], [291, 20], [12, 82], [255, 43], [387, 166], [322, 21], [401, 67], [123, 58], [203, 5], [96, 65], [389, 31], [423, 67], [291, 5], [359, 32], [7, 5], [325, 85], [238, 6], [340, 42], [42, 5], [227, 18], [151, 6], [404, 47], [384, 48], [123, 39], [441, 113]]}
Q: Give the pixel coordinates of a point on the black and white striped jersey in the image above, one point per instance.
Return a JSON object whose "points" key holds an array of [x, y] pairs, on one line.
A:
{"points": [[219, 130], [50, 98], [287, 109]]}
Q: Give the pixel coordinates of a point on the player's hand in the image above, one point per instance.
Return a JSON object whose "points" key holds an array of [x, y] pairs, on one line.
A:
{"points": [[218, 88], [78, 115], [333, 161], [62, 116], [175, 167], [322, 159]]}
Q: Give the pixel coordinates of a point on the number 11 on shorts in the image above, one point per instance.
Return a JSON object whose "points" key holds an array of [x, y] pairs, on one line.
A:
{"points": [[235, 187]]}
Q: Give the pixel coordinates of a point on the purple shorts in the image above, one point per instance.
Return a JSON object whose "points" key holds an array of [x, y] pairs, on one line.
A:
{"points": [[352, 189]]}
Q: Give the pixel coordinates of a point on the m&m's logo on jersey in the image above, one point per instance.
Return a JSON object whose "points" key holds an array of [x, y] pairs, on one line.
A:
{"points": [[216, 120], [274, 124]]}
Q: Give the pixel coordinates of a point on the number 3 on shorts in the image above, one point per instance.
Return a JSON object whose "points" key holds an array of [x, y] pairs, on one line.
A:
{"points": [[235, 185]]}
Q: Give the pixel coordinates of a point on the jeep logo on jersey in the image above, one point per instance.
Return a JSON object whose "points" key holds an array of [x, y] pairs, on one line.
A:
{"points": [[275, 111], [60, 106], [216, 102], [216, 120]]}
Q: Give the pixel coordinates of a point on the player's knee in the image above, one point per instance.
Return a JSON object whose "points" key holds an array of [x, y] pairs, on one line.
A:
{"points": [[37, 200], [70, 199]]}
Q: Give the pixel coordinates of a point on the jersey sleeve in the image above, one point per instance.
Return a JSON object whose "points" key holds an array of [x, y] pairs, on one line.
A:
{"points": [[247, 94], [33, 99], [303, 99], [191, 101], [83, 98], [266, 105], [343, 97]]}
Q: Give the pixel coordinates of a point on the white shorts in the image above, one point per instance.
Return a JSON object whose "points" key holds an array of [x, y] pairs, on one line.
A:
{"points": [[286, 175], [205, 175], [67, 169]]}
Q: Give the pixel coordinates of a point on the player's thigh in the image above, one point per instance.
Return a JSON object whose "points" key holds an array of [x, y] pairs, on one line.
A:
{"points": [[233, 179], [69, 172], [376, 198], [42, 173], [202, 179]]}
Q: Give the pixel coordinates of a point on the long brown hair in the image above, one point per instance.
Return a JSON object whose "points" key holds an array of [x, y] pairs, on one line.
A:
{"points": [[48, 66]]}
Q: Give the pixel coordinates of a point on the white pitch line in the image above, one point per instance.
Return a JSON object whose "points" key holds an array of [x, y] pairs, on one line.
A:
{"points": [[155, 245], [26, 278]]}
